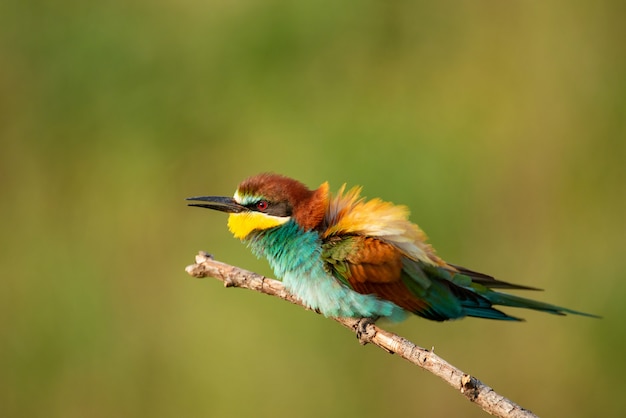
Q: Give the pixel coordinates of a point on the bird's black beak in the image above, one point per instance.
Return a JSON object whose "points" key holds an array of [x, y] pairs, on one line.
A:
{"points": [[223, 204]]}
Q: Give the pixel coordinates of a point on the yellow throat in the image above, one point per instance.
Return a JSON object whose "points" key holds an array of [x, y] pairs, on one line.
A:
{"points": [[241, 224]]}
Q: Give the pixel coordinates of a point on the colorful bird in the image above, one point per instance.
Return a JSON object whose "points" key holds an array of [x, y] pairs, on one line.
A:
{"points": [[345, 256]]}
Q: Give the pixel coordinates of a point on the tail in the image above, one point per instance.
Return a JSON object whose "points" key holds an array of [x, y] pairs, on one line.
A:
{"points": [[483, 285], [505, 299], [445, 296]]}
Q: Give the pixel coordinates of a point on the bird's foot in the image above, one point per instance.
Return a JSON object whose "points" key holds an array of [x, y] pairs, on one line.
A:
{"points": [[365, 330]]}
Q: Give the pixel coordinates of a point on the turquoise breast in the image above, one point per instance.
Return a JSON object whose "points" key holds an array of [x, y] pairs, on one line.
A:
{"points": [[296, 258]]}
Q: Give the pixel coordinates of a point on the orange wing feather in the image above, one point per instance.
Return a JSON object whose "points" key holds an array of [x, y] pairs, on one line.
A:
{"points": [[381, 240], [376, 261], [376, 268], [350, 214]]}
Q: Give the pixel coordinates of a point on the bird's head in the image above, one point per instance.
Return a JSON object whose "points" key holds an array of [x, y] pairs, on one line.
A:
{"points": [[267, 201]]}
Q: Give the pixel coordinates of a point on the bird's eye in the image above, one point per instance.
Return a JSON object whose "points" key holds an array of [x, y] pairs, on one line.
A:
{"points": [[262, 205]]}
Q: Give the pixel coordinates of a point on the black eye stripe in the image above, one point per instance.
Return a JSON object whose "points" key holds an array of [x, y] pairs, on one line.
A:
{"points": [[253, 206], [282, 209]]}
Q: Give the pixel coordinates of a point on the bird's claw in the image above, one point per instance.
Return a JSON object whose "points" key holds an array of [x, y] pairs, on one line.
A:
{"points": [[365, 332]]}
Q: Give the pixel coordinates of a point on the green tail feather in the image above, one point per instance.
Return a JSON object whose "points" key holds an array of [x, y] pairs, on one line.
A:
{"points": [[449, 296], [505, 299], [489, 313]]}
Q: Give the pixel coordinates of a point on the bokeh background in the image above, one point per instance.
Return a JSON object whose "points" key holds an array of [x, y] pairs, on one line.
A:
{"points": [[501, 124]]}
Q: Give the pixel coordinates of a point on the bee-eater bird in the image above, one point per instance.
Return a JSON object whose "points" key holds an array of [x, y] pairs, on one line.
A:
{"points": [[347, 257]]}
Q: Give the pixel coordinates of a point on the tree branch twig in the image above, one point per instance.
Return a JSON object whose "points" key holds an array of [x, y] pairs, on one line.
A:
{"points": [[470, 387]]}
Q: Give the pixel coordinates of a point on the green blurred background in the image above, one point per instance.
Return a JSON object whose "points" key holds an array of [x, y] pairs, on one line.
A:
{"points": [[501, 124]]}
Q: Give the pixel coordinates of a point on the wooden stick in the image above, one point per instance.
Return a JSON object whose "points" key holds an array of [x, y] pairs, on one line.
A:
{"points": [[470, 387]]}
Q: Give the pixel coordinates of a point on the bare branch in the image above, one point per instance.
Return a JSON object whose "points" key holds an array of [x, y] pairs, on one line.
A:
{"points": [[470, 387]]}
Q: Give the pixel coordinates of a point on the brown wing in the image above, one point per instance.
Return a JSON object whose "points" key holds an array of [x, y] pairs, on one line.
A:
{"points": [[376, 267]]}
